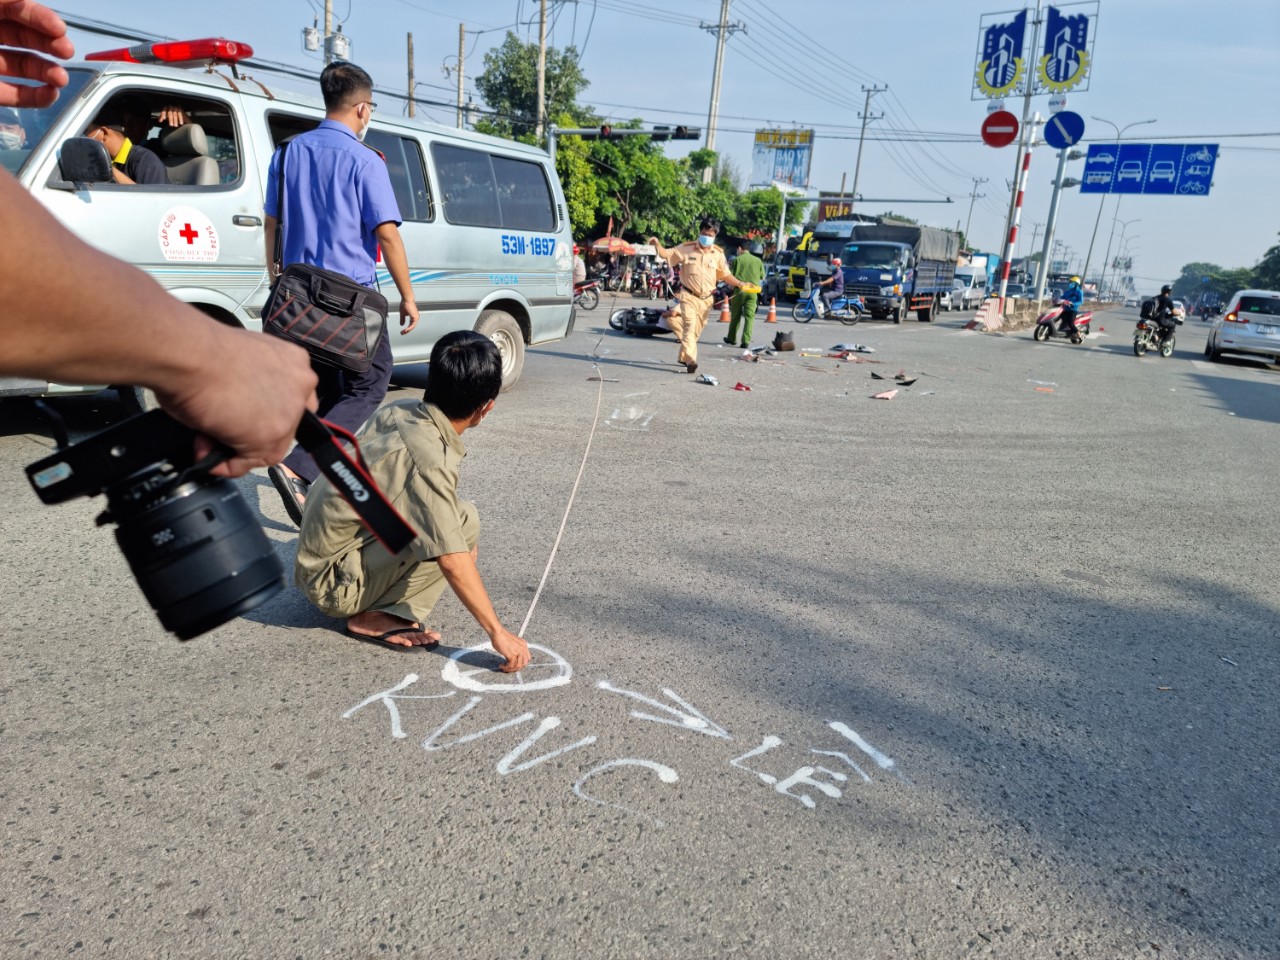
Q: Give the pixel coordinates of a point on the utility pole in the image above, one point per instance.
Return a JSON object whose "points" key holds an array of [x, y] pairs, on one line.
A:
{"points": [[866, 116], [462, 36], [412, 109], [723, 31], [542, 67], [973, 195], [328, 30]]}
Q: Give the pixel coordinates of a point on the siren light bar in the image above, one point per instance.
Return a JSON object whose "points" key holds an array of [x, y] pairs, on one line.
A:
{"points": [[209, 50]]}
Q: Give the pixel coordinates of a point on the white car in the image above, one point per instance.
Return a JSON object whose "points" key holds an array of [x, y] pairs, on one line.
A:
{"points": [[1249, 324]]}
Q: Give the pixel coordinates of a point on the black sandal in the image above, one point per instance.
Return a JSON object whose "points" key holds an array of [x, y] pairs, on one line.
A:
{"points": [[292, 490]]}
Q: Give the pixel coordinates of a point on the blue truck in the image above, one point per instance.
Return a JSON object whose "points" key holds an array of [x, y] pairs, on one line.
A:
{"points": [[898, 268]]}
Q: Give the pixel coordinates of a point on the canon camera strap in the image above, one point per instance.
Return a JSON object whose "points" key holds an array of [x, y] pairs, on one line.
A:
{"points": [[351, 479]]}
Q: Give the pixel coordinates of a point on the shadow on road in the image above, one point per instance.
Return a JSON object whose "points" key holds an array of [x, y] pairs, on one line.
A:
{"points": [[1105, 733]]}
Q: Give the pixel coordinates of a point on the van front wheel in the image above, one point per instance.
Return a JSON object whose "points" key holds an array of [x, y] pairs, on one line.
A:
{"points": [[500, 327]]}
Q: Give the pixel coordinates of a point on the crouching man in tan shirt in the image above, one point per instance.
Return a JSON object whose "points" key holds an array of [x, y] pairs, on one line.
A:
{"points": [[413, 451]]}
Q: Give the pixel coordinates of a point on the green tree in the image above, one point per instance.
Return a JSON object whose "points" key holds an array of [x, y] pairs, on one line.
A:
{"points": [[640, 188], [580, 184], [509, 85], [1266, 275]]}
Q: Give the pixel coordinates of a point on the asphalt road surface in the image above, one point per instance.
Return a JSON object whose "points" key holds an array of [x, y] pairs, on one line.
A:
{"points": [[986, 669]]}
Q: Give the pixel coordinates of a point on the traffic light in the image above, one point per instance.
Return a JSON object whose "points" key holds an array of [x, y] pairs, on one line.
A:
{"points": [[661, 133], [688, 133], [605, 131]]}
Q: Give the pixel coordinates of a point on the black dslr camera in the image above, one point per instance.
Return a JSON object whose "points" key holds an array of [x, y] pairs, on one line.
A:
{"points": [[196, 550]]}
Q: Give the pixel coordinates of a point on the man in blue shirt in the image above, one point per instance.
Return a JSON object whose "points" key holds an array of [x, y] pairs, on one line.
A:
{"points": [[339, 208], [834, 283]]}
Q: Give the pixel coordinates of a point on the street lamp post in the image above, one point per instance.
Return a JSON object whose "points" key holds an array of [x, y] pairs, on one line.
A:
{"points": [[1106, 261], [1101, 203]]}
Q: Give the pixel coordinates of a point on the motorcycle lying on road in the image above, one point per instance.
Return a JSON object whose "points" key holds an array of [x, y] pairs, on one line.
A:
{"points": [[847, 310], [1151, 335], [587, 294], [1047, 324]]}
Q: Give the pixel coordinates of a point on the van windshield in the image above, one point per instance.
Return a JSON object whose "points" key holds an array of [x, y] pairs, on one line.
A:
{"points": [[22, 130], [871, 256]]}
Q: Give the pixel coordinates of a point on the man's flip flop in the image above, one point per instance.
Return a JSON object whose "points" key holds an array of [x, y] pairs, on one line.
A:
{"points": [[292, 491], [381, 639]]}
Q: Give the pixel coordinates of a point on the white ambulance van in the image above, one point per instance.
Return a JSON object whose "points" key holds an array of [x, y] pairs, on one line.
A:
{"points": [[484, 220]]}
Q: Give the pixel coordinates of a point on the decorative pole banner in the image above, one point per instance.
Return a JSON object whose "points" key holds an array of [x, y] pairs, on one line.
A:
{"points": [[1001, 58], [1065, 59]]}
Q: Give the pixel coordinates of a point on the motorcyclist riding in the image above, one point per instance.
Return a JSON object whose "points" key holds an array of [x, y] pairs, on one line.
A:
{"points": [[834, 283], [1163, 312], [1072, 298]]}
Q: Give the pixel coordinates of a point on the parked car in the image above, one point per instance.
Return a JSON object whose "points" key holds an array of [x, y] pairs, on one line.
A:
{"points": [[945, 301], [1250, 325]]}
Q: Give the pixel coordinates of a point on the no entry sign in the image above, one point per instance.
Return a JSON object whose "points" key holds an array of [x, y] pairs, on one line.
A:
{"points": [[999, 129]]}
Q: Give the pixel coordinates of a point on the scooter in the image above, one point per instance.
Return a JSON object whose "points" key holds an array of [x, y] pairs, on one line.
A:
{"points": [[587, 294], [1047, 324], [847, 310], [1150, 335]]}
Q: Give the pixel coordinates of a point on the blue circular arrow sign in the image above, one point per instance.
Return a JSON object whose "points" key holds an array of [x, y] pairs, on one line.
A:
{"points": [[1064, 130]]}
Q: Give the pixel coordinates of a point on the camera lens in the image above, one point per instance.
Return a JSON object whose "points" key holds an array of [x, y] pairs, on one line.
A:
{"points": [[199, 556]]}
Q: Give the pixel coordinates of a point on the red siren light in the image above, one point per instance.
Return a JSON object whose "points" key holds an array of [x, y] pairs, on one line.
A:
{"points": [[209, 50]]}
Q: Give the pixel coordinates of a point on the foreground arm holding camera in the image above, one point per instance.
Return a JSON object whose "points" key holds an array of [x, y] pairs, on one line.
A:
{"points": [[113, 324]]}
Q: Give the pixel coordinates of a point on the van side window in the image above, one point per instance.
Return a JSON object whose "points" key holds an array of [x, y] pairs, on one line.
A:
{"points": [[468, 193], [403, 156], [524, 195], [194, 138], [408, 180]]}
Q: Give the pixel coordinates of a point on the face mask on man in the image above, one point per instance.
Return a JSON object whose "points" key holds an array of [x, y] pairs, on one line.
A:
{"points": [[704, 240], [11, 139]]}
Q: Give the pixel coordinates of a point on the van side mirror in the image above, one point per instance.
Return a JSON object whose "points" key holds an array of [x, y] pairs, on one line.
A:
{"points": [[84, 160]]}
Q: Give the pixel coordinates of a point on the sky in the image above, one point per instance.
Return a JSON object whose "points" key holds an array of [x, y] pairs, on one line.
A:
{"points": [[1204, 73]]}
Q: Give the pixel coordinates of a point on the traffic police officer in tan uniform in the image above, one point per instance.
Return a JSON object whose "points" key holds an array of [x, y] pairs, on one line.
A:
{"points": [[701, 265]]}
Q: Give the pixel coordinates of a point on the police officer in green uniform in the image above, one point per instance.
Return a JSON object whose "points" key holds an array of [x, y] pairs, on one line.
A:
{"points": [[749, 268]]}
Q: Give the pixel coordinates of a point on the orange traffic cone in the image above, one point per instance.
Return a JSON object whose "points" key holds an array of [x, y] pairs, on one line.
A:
{"points": [[773, 311], [724, 311]]}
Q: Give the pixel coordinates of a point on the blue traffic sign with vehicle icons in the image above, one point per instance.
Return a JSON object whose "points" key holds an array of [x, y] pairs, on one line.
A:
{"points": [[1064, 129], [1184, 169]]}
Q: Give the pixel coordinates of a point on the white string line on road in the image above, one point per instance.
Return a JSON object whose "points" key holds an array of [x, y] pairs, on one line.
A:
{"points": [[573, 493]]}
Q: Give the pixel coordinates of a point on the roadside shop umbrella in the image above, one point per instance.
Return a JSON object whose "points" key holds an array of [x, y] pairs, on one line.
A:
{"points": [[613, 245]]}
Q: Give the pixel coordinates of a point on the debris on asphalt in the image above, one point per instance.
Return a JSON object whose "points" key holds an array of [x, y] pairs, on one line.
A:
{"points": [[877, 376], [887, 395], [1164, 689], [853, 348], [1043, 383], [1232, 662], [905, 381], [603, 379], [742, 386], [1044, 389], [707, 379]]}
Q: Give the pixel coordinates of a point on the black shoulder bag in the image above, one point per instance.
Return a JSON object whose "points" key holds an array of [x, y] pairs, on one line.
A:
{"points": [[338, 320]]}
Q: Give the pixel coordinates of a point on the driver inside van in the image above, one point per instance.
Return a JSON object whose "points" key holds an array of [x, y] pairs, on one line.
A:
{"points": [[130, 163], [13, 136]]}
